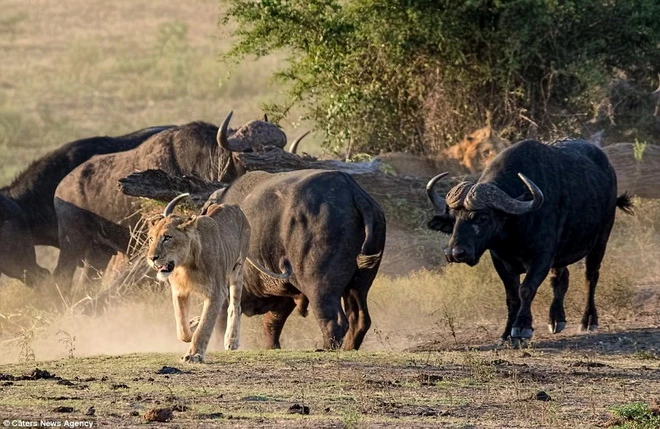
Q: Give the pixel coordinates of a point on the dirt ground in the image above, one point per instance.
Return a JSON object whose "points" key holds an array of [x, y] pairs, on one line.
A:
{"points": [[569, 380]]}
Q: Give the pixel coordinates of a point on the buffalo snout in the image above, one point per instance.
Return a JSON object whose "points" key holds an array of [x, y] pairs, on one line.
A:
{"points": [[460, 254]]}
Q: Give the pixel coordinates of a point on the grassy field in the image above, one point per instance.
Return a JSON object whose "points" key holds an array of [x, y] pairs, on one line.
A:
{"points": [[81, 68]]}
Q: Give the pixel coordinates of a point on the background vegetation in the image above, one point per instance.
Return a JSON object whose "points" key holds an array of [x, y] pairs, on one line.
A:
{"points": [[416, 75]]}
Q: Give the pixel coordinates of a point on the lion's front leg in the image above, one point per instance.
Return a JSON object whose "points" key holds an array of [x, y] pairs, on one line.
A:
{"points": [[233, 329], [181, 303], [200, 339]]}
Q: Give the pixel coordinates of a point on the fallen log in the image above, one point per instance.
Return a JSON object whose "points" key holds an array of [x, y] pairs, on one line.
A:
{"points": [[160, 186]]}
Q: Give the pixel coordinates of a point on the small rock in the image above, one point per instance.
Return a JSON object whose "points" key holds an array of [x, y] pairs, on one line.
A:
{"points": [[180, 408], [39, 374], [525, 355], [134, 413], [542, 396], [65, 382], [654, 407], [212, 416], [90, 411], [298, 409], [63, 409], [429, 379], [119, 386], [158, 415], [7, 383], [169, 370]]}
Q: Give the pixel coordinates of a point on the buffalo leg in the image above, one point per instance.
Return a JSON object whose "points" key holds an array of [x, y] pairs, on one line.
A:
{"points": [[67, 262], [330, 317], [96, 261], [511, 282], [273, 321], [359, 320], [592, 272], [522, 327], [559, 281]]}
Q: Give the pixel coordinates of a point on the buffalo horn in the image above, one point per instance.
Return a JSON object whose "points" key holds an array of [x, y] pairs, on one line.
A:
{"points": [[294, 146], [437, 201], [485, 195], [223, 141], [170, 206]]}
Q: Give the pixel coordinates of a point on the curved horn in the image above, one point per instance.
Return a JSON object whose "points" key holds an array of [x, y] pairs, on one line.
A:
{"points": [[265, 117], [170, 206], [223, 141], [485, 195], [437, 201], [294, 146]]}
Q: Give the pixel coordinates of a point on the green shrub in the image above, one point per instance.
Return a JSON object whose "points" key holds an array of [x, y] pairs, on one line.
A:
{"points": [[411, 75]]}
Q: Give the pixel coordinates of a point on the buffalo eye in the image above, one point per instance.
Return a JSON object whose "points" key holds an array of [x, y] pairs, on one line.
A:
{"points": [[479, 218], [167, 238]]}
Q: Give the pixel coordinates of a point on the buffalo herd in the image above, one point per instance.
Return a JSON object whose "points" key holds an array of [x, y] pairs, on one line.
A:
{"points": [[536, 208]]}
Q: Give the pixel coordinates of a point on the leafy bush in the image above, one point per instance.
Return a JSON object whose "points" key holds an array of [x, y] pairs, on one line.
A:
{"points": [[412, 75]]}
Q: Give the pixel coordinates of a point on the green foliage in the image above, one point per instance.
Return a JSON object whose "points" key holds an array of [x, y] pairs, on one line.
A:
{"points": [[638, 150], [410, 75], [635, 415]]}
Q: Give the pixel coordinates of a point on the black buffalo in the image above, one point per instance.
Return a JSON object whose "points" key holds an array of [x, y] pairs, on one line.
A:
{"points": [[333, 233], [537, 208], [96, 219], [27, 214]]}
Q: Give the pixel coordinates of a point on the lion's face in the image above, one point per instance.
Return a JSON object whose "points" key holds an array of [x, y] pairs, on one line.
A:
{"points": [[478, 149], [169, 245]]}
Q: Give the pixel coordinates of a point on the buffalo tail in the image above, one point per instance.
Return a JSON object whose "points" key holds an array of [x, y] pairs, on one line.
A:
{"points": [[624, 203], [370, 253]]}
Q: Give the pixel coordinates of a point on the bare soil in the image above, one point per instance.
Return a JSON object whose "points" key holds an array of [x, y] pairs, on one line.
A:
{"points": [[567, 380]]}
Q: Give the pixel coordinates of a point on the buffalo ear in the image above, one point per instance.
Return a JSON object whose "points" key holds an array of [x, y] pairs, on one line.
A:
{"points": [[443, 223], [187, 224]]}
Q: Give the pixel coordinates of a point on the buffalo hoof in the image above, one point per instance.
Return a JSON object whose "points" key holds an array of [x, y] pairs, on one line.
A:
{"points": [[556, 328], [196, 358], [590, 328], [519, 343], [524, 333]]}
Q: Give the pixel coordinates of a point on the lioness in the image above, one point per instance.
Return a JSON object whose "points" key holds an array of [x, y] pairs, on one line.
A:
{"points": [[204, 254]]}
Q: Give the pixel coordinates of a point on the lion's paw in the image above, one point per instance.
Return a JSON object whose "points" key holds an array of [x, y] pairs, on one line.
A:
{"points": [[232, 344], [196, 358]]}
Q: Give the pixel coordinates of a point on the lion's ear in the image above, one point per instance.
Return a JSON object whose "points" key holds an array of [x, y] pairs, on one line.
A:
{"points": [[190, 223]]}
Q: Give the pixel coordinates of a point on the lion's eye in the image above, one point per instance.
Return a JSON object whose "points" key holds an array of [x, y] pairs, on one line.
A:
{"points": [[151, 239], [167, 238]]}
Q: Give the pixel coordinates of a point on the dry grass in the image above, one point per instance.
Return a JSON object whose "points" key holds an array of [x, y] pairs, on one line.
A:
{"points": [[81, 68]]}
